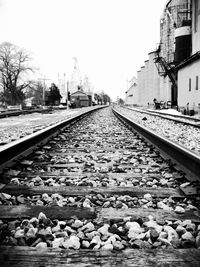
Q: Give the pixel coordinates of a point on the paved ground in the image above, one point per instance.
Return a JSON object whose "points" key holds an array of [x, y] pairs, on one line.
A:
{"points": [[13, 128]]}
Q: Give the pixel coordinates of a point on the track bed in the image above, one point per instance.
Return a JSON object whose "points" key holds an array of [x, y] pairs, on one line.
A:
{"points": [[97, 194]]}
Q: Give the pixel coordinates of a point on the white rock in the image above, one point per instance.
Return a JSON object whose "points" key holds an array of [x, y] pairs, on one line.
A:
{"points": [[85, 244], [42, 216], [75, 241], [41, 245], [67, 243], [141, 236], [63, 223], [186, 222], [163, 206], [46, 198], [164, 241], [5, 196], [19, 233], [191, 207], [104, 229], [172, 234], [90, 235], [69, 229], [71, 199], [118, 245], [133, 225], [188, 236], [148, 196], [180, 230], [179, 209], [15, 181], [57, 242], [77, 224], [86, 204], [45, 195], [153, 224], [97, 246], [191, 227], [89, 227], [107, 247], [32, 232], [185, 184], [111, 240], [34, 220], [80, 235], [126, 219], [72, 242], [163, 181], [163, 235], [96, 240], [132, 235], [71, 160], [56, 228]]}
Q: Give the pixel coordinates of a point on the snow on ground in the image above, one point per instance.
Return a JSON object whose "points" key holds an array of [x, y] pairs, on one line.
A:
{"points": [[170, 111]]}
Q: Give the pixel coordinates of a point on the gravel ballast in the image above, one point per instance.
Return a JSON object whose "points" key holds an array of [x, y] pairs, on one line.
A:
{"points": [[185, 135]]}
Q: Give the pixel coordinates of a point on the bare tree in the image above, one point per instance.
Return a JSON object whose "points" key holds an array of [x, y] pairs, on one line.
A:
{"points": [[35, 90], [13, 67]]}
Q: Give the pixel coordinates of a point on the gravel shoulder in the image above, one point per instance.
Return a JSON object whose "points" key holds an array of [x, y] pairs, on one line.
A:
{"points": [[185, 135], [14, 128]]}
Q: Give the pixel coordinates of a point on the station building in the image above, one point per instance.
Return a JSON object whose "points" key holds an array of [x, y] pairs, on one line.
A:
{"points": [[79, 99]]}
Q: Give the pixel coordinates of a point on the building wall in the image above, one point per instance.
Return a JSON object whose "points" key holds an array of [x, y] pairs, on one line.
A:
{"points": [[149, 83], [142, 87], [195, 26], [154, 82], [165, 89], [184, 95], [171, 18], [132, 92], [177, 13], [139, 95], [191, 70], [130, 96], [146, 82]]}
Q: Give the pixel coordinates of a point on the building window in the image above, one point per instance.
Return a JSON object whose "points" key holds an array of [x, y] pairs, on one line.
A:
{"points": [[196, 8], [197, 82], [190, 84]]}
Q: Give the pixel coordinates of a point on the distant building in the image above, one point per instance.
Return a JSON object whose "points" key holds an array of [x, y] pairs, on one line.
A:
{"points": [[131, 93], [189, 69], [157, 79], [87, 88], [62, 88], [76, 82], [79, 99], [148, 87]]}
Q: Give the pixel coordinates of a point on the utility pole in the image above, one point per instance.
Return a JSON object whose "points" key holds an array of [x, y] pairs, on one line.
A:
{"points": [[66, 91], [67, 94], [44, 86]]}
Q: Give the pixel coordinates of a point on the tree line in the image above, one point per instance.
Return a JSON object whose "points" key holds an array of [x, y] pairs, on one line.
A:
{"points": [[15, 66]]}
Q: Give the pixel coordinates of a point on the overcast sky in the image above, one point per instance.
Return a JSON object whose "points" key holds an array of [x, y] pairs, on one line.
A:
{"points": [[110, 38]]}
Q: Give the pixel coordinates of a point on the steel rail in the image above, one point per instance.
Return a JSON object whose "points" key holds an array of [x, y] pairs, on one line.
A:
{"points": [[14, 151], [172, 117], [22, 112], [186, 160]]}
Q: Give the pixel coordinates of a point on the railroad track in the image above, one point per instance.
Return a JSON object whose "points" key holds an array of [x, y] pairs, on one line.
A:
{"points": [[97, 194], [187, 120], [22, 112]]}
